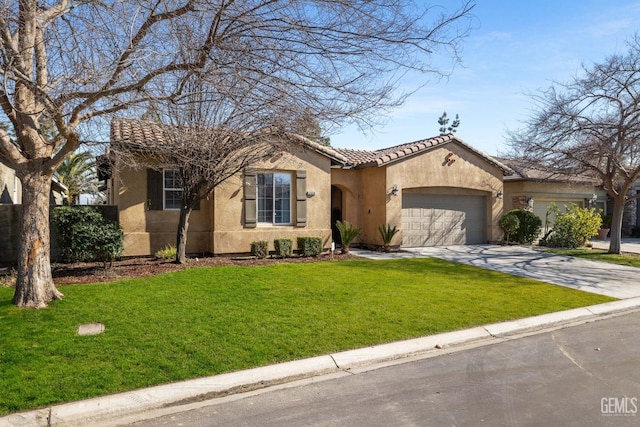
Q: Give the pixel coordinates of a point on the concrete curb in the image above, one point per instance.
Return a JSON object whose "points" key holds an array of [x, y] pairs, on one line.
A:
{"points": [[129, 403]]}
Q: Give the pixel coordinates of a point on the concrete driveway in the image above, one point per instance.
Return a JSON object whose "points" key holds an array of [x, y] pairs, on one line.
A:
{"points": [[591, 276]]}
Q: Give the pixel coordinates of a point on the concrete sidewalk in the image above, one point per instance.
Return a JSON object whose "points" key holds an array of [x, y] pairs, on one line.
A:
{"points": [[608, 279], [629, 245]]}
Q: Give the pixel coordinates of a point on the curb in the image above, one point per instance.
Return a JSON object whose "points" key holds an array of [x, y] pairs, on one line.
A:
{"points": [[129, 403]]}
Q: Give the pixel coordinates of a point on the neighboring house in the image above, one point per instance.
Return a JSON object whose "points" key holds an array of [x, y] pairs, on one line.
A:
{"points": [[11, 188], [535, 188], [437, 191]]}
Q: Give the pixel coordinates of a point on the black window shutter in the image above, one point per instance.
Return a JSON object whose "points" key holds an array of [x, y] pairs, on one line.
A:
{"points": [[301, 198], [154, 190], [250, 196]]}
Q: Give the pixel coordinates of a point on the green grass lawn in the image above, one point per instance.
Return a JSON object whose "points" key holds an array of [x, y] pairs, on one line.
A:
{"points": [[600, 255], [206, 321]]}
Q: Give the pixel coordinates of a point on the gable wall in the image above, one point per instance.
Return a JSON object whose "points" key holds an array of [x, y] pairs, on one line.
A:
{"points": [[469, 174], [229, 232], [146, 231], [367, 193]]}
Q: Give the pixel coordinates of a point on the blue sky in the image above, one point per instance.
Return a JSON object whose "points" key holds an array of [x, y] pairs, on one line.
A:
{"points": [[518, 47]]}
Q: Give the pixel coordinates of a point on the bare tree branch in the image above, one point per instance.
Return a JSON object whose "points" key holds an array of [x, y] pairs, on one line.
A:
{"points": [[591, 125]]}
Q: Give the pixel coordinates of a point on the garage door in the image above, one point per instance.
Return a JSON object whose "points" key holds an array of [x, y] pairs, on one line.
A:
{"points": [[435, 220]]}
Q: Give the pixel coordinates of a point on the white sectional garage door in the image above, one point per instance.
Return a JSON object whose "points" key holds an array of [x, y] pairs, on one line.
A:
{"points": [[436, 220]]}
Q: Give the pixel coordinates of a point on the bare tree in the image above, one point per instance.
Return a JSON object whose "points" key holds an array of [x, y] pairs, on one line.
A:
{"points": [[591, 125], [204, 140], [74, 62]]}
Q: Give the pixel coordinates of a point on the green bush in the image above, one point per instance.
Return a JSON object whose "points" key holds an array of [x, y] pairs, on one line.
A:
{"points": [[283, 247], [529, 226], [166, 253], [260, 248], [84, 235], [509, 223], [348, 233], [573, 227], [310, 246]]}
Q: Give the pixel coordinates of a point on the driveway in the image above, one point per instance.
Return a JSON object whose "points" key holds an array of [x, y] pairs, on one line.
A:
{"points": [[591, 276]]}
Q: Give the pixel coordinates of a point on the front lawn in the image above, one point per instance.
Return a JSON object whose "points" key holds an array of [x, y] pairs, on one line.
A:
{"points": [[206, 321]]}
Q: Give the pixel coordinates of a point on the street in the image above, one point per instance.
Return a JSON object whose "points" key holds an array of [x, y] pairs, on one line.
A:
{"points": [[584, 375]]}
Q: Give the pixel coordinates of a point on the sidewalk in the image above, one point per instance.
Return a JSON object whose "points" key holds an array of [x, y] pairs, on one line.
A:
{"points": [[128, 407], [628, 245]]}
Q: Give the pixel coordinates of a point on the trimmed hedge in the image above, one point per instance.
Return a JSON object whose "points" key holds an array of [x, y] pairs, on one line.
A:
{"points": [[310, 246], [260, 248], [283, 247]]}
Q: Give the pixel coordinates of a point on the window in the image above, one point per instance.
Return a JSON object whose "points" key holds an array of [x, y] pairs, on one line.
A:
{"points": [[274, 198], [171, 189]]}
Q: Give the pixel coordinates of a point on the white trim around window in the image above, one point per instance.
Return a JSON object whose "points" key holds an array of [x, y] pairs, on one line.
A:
{"points": [[171, 192], [274, 198]]}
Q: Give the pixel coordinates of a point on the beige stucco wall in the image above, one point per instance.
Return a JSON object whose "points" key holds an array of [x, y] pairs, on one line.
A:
{"points": [[371, 188], [146, 231], [229, 234]]}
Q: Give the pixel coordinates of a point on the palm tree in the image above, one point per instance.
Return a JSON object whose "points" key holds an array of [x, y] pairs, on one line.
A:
{"points": [[78, 174]]}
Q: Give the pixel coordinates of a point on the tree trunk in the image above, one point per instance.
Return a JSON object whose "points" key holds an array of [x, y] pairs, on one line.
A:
{"points": [[616, 224], [34, 285], [181, 239]]}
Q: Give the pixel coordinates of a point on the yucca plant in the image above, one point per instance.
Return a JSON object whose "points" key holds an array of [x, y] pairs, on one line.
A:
{"points": [[347, 234], [387, 232]]}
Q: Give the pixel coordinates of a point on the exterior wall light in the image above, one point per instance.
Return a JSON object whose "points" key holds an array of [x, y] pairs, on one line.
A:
{"points": [[311, 193], [395, 190], [499, 194], [529, 201]]}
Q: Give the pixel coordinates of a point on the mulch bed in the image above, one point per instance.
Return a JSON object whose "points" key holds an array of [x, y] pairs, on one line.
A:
{"points": [[131, 268]]}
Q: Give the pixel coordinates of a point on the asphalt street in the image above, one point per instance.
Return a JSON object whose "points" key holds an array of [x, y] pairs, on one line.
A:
{"points": [[583, 375]]}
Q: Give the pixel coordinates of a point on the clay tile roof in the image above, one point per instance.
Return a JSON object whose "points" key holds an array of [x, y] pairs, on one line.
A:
{"points": [[362, 158], [524, 170], [137, 132]]}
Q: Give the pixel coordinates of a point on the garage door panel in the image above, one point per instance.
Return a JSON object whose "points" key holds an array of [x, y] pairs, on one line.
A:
{"points": [[435, 220]]}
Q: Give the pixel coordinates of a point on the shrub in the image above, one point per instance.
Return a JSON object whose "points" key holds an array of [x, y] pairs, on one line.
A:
{"points": [[509, 223], [283, 247], [260, 248], [83, 235], [166, 253], [574, 226], [387, 233], [310, 246], [348, 233], [529, 226]]}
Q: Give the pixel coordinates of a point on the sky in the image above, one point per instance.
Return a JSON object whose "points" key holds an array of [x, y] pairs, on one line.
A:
{"points": [[518, 47]]}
